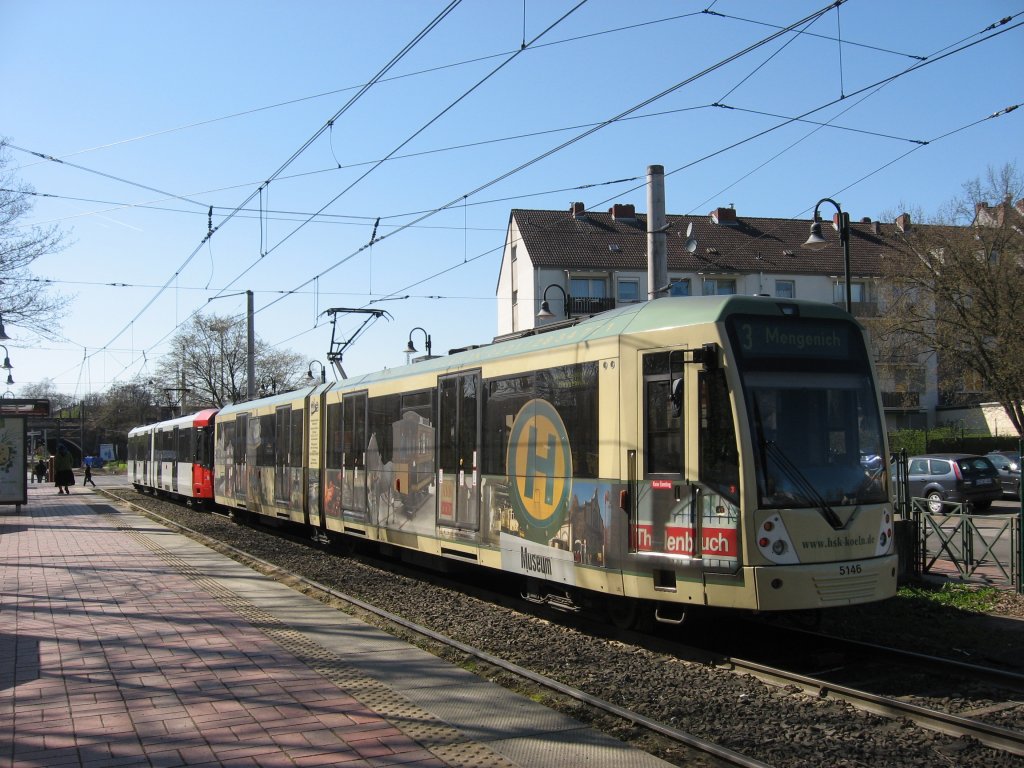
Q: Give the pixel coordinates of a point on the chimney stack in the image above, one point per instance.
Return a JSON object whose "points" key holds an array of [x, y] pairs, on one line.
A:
{"points": [[903, 222], [622, 211], [725, 217], [577, 210]]}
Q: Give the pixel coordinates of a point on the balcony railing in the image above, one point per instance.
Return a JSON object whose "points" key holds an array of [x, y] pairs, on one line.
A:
{"points": [[584, 305], [901, 399], [860, 308]]}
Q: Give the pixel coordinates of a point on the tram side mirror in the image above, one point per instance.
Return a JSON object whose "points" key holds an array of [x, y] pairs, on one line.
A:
{"points": [[677, 397], [709, 356]]}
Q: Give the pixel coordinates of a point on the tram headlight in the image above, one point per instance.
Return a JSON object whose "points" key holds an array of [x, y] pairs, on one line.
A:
{"points": [[775, 543], [885, 535]]}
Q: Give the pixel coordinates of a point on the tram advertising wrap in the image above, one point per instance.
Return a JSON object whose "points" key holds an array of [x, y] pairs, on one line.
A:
{"points": [[660, 456]]}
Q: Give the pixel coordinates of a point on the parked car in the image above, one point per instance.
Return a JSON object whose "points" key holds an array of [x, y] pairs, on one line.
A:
{"points": [[1008, 464], [956, 477]]}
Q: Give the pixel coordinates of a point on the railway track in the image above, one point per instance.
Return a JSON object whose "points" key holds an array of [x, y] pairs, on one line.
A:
{"points": [[722, 755], [959, 733]]}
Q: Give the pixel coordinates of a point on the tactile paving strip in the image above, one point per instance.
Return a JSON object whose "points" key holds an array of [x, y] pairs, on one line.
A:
{"points": [[444, 741]]}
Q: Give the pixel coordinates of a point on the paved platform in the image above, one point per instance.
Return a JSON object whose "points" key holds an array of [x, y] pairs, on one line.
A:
{"points": [[125, 644]]}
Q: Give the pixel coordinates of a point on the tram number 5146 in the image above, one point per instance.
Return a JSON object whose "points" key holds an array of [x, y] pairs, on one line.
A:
{"points": [[849, 570]]}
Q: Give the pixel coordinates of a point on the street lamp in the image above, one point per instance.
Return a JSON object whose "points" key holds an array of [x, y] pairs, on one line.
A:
{"points": [[323, 371], [545, 308], [7, 365], [250, 348], [411, 348], [3, 333], [816, 242]]}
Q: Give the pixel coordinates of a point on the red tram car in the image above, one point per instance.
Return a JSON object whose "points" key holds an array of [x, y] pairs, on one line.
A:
{"points": [[174, 457]]}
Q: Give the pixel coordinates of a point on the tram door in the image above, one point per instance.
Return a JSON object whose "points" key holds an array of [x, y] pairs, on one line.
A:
{"points": [[354, 437], [664, 521], [458, 441], [241, 476], [314, 453]]}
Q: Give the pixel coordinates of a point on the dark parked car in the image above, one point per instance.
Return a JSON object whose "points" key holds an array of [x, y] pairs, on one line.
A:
{"points": [[959, 477], [1008, 464]]}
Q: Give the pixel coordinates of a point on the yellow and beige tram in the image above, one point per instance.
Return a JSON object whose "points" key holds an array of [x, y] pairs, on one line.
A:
{"points": [[718, 451]]}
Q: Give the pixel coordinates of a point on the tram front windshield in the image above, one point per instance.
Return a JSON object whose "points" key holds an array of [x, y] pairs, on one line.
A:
{"points": [[816, 433]]}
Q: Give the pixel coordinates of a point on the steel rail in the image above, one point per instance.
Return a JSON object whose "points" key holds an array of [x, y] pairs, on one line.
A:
{"points": [[995, 736], [688, 739]]}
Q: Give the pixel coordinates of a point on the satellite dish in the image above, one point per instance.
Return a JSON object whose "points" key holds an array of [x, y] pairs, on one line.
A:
{"points": [[691, 241]]}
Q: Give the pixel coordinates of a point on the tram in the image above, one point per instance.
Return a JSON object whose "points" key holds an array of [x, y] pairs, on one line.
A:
{"points": [[698, 451], [174, 457]]}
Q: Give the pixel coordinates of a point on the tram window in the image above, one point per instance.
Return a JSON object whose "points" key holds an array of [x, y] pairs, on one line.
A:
{"points": [[503, 399], [226, 442], [354, 434], [184, 449], [719, 457], [333, 450], [420, 403], [267, 441], [282, 433], [295, 444], [204, 446], [663, 420], [572, 390], [241, 440], [384, 413], [664, 448]]}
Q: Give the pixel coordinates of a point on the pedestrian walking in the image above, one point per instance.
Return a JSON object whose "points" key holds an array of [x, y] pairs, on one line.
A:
{"points": [[39, 472], [88, 472], [64, 477]]}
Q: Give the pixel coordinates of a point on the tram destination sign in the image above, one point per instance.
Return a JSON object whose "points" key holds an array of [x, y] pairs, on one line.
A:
{"points": [[758, 337]]}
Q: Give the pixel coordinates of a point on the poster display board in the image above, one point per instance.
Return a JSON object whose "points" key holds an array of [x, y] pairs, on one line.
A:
{"points": [[13, 467]]}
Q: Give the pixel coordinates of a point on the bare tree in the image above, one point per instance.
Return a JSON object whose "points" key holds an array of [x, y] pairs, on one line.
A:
{"points": [[957, 290], [208, 364], [47, 390], [25, 302]]}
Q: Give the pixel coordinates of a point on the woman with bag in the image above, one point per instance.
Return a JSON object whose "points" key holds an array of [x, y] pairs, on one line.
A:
{"points": [[63, 474]]}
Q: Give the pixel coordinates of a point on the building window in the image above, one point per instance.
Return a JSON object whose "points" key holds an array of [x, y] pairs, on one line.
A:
{"points": [[588, 287], [719, 287], [628, 291], [857, 292], [679, 286], [513, 254], [785, 289]]}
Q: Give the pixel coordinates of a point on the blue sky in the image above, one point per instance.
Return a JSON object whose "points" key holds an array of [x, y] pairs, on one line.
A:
{"points": [[158, 112]]}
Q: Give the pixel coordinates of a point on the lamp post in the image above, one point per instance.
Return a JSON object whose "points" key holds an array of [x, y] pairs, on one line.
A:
{"points": [[411, 348], [7, 365], [816, 242], [3, 333], [545, 308], [323, 371], [250, 351]]}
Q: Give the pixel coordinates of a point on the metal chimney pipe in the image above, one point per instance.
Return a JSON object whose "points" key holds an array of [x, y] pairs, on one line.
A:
{"points": [[657, 244]]}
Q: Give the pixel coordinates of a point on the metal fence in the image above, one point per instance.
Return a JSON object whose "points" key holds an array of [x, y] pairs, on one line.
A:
{"points": [[953, 541]]}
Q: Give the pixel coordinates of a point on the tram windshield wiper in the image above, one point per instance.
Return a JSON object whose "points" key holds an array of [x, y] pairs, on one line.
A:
{"points": [[803, 485]]}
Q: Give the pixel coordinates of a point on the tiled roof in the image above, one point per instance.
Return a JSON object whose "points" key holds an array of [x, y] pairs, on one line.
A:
{"points": [[595, 240]]}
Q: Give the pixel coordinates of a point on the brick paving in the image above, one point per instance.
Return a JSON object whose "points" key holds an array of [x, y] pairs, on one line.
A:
{"points": [[109, 656]]}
